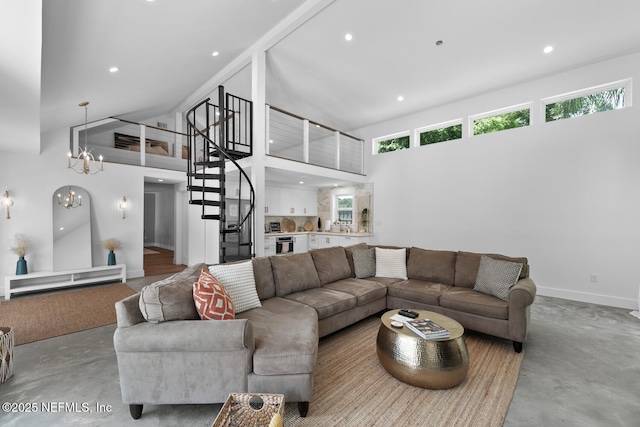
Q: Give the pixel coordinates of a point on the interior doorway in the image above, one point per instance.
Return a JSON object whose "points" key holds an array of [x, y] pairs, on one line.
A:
{"points": [[160, 230]]}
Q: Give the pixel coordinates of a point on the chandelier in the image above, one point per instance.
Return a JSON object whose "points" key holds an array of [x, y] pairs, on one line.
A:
{"points": [[85, 162], [71, 200]]}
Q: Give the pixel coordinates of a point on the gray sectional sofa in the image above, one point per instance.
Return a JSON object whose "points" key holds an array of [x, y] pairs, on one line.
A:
{"points": [[303, 297]]}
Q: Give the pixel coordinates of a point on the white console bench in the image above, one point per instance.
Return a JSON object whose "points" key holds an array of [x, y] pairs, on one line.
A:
{"points": [[60, 279]]}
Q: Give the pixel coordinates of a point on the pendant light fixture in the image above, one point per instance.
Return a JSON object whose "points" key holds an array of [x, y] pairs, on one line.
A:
{"points": [[85, 162]]}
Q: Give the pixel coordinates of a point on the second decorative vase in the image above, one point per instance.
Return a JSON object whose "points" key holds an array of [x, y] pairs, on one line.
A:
{"points": [[111, 260], [21, 267]]}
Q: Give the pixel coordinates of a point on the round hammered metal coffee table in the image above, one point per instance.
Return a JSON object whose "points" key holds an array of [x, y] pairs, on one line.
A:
{"points": [[432, 364]]}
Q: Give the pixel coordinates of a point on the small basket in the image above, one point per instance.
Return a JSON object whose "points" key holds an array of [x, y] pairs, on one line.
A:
{"points": [[249, 410], [6, 353]]}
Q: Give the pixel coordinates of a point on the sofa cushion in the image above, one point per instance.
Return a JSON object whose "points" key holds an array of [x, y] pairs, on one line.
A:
{"points": [[364, 262], [391, 263], [326, 302], [331, 264], [238, 280], [365, 291], [433, 266], [286, 337], [348, 250], [294, 273], [418, 290], [473, 302], [168, 299], [265, 285], [496, 277], [467, 264], [211, 299]]}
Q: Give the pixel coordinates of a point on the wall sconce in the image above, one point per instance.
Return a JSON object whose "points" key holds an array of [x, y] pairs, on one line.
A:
{"points": [[7, 203], [123, 206]]}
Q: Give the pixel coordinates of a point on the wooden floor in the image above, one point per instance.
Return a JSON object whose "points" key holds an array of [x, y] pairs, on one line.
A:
{"points": [[160, 263]]}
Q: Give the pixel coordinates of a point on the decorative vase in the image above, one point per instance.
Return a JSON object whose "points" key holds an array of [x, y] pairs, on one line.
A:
{"points": [[21, 267], [111, 260]]}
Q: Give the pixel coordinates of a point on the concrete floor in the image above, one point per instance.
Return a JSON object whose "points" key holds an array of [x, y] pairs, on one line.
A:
{"points": [[581, 368]]}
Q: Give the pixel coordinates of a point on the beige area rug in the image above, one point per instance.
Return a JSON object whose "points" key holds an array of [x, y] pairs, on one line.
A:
{"points": [[35, 318], [351, 387], [148, 251]]}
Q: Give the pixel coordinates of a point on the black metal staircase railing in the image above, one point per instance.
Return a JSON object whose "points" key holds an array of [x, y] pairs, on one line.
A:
{"points": [[225, 136]]}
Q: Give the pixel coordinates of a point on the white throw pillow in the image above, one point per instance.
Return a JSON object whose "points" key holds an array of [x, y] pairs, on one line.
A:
{"points": [[239, 282], [391, 263]]}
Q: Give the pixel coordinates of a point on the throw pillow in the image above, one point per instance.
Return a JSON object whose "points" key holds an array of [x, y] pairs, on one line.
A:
{"points": [[240, 283], [496, 277], [391, 263], [168, 299], [364, 262], [211, 299]]}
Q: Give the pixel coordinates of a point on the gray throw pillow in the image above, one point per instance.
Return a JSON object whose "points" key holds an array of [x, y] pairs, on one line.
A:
{"points": [[496, 277], [364, 262], [169, 299]]}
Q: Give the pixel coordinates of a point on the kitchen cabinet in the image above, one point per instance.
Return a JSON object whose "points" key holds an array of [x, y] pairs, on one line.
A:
{"points": [[291, 201], [269, 245], [354, 240], [300, 244], [323, 240], [272, 201]]}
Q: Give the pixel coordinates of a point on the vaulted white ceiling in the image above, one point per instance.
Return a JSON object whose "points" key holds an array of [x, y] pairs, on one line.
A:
{"points": [[163, 49]]}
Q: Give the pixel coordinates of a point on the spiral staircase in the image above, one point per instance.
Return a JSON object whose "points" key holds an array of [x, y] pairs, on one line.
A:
{"points": [[218, 137]]}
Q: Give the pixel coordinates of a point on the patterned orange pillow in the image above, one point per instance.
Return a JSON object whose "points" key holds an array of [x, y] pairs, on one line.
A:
{"points": [[211, 299]]}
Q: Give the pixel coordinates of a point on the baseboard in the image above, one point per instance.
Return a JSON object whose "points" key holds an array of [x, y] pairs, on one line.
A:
{"points": [[134, 274], [592, 298]]}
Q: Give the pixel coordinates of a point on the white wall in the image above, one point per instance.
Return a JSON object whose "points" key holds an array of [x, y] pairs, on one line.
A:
{"points": [[563, 194], [31, 181]]}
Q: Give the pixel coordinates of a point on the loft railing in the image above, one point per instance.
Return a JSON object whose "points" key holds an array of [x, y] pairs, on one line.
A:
{"points": [[126, 142], [293, 137]]}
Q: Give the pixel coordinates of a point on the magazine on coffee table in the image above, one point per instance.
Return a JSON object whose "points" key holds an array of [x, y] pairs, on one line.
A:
{"points": [[427, 329]]}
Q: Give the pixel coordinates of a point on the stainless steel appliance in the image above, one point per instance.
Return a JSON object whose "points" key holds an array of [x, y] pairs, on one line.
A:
{"points": [[284, 244]]}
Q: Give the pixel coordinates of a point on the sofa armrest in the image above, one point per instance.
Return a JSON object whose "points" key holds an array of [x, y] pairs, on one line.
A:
{"points": [[521, 296], [522, 293], [128, 311], [186, 335]]}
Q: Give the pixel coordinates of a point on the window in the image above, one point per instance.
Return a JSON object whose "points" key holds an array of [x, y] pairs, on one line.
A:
{"points": [[385, 144], [440, 132], [495, 121], [588, 101], [344, 208]]}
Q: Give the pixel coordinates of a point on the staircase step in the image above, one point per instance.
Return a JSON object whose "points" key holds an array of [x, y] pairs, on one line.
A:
{"points": [[209, 164], [205, 202], [200, 175], [203, 189], [213, 217]]}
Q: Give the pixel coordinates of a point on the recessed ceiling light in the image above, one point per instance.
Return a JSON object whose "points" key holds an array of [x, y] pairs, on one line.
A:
{"points": [[348, 37], [548, 49], [400, 98], [113, 69], [215, 53], [271, 141], [301, 182], [160, 180]]}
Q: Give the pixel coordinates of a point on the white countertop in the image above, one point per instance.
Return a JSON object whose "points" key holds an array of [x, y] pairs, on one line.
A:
{"points": [[321, 233]]}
